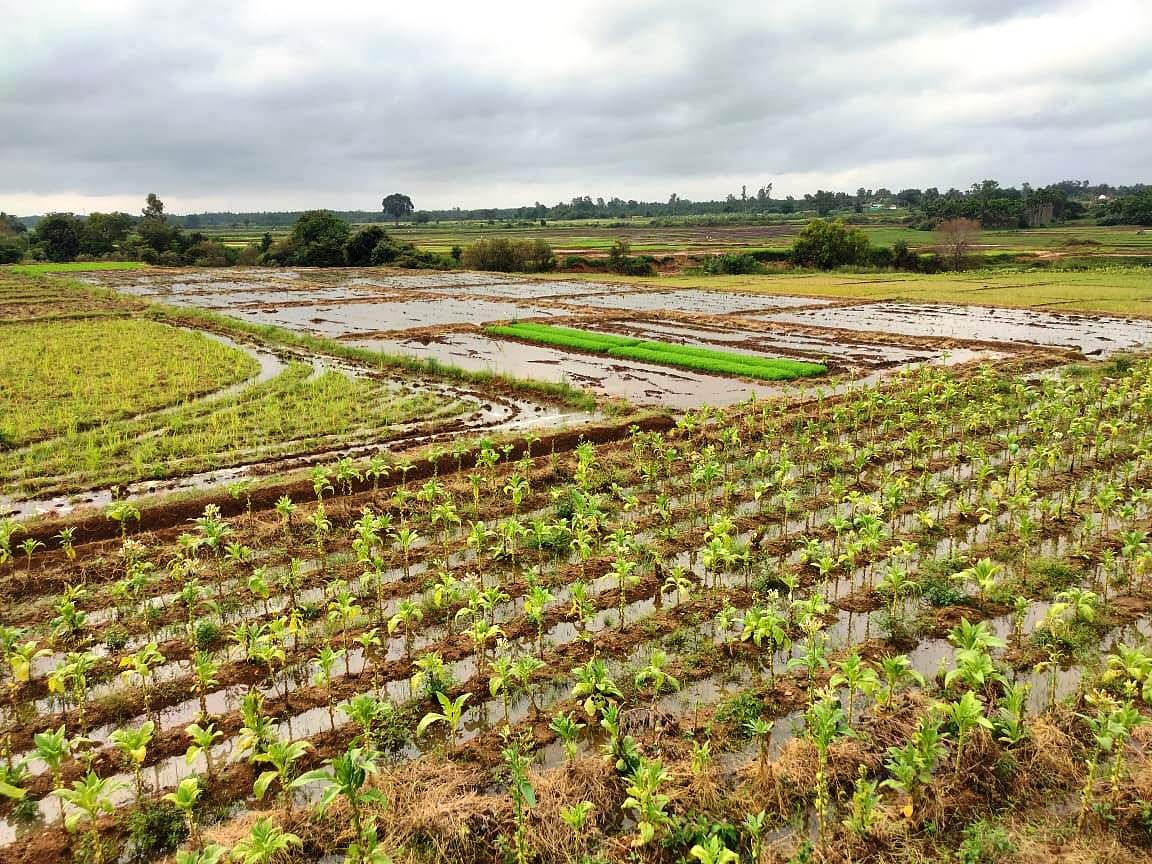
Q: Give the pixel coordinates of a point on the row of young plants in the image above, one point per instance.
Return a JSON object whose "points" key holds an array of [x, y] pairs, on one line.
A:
{"points": [[696, 498]]}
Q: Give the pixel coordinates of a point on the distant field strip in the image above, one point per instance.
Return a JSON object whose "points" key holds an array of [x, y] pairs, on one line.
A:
{"points": [[665, 353]]}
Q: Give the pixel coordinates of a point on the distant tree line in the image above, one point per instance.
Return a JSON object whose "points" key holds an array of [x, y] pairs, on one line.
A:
{"points": [[988, 201]]}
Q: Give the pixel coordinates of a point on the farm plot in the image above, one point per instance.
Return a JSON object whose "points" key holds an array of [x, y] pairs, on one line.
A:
{"points": [[432, 316], [113, 397], [640, 383], [62, 376], [858, 628], [1091, 335]]}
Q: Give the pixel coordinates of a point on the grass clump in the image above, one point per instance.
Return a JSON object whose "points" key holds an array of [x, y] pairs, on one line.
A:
{"points": [[663, 353]]}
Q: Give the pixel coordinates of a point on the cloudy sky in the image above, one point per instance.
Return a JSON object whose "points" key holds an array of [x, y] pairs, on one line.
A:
{"points": [[247, 105]]}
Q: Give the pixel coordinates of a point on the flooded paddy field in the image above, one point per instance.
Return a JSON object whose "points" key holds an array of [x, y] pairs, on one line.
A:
{"points": [[439, 316], [1092, 335]]}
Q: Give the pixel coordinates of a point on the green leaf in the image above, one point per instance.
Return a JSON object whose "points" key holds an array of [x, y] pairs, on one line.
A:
{"points": [[527, 793], [427, 721], [260, 787], [10, 791], [316, 776]]}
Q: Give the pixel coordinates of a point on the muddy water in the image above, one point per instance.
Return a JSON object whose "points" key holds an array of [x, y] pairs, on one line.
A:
{"points": [[642, 383], [339, 320], [691, 300], [774, 343], [1094, 336]]}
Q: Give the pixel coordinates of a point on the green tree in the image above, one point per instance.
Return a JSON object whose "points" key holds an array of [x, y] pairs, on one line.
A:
{"points": [[360, 247], [825, 244], [59, 235], [100, 233], [154, 228], [318, 239], [397, 206]]}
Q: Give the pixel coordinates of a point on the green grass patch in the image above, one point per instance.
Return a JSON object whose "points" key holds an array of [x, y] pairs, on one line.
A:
{"points": [[663, 353], [75, 267]]}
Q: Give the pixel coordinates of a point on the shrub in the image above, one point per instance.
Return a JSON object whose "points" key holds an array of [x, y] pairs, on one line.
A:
{"points": [[827, 244], [360, 249], [156, 829], [732, 264], [509, 256], [619, 261], [12, 249], [318, 239]]}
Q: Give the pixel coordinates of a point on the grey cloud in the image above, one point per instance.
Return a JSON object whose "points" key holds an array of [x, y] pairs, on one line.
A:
{"points": [[730, 89]]}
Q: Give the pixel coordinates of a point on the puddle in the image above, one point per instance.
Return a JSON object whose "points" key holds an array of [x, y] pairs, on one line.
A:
{"points": [[690, 300], [1095, 336], [642, 383]]}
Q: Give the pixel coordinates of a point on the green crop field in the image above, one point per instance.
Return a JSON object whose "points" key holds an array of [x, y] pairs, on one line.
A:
{"points": [[663, 353], [295, 412], [60, 377]]}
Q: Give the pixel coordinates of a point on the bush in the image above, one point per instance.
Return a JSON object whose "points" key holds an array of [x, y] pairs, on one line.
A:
{"points": [[509, 256], [574, 261], [318, 239], [360, 249], [930, 262], [881, 256], [772, 256], [619, 261], [732, 264], [209, 253], [827, 244]]}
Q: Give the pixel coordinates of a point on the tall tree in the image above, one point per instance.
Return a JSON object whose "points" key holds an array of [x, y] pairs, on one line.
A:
{"points": [[397, 206], [153, 228]]}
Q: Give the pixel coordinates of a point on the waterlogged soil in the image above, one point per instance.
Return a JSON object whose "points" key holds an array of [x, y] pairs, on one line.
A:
{"points": [[641, 383], [773, 343], [692, 301], [1094, 336], [436, 316], [344, 319]]}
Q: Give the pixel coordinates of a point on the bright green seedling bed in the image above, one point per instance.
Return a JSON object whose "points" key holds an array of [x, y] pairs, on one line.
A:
{"points": [[665, 353]]}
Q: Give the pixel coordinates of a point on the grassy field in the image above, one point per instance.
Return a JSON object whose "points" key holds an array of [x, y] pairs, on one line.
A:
{"points": [[60, 377], [663, 353], [1117, 291]]}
